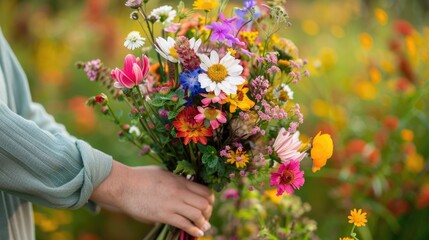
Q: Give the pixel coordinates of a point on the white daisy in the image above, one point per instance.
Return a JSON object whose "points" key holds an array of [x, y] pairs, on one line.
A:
{"points": [[289, 91], [166, 48], [223, 75], [164, 14], [134, 40]]}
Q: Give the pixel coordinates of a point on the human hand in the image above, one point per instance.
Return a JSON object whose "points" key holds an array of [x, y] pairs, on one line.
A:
{"points": [[150, 194]]}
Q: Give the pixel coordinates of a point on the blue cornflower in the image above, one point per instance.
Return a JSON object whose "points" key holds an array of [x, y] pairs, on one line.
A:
{"points": [[189, 81]]}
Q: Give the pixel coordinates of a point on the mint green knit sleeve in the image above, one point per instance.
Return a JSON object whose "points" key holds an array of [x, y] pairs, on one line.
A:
{"points": [[48, 169], [39, 160]]}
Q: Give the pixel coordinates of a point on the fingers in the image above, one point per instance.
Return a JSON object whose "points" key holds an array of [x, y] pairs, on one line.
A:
{"points": [[186, 225], [200, 190], [200, 203], [195, 215], [207, 213]]}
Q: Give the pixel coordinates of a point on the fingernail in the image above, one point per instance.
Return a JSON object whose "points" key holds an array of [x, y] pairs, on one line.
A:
{"points": [[200, 233], [206, 226]]}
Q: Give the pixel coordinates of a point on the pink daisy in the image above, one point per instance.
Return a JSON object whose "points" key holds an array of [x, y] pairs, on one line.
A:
{"points": [[287, 178], [215, 116], [287, 146]]}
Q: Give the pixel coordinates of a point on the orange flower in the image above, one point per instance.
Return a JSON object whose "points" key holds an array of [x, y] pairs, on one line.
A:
{"points": [[321, 151], [190, 129], [357, 217]]}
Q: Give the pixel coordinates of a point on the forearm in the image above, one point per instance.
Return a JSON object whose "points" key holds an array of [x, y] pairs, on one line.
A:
{"points": [[49, 169]]}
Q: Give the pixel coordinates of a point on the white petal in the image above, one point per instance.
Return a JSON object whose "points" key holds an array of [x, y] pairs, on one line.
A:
{"points": [[217, 91], [234, 70], [214, 57], [206, 60], [197, 45]]}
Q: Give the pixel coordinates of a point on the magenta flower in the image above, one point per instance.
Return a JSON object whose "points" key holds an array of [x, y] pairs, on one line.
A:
{"points": [[135, 70], [287, 178], [215, 116], [211, 98]]}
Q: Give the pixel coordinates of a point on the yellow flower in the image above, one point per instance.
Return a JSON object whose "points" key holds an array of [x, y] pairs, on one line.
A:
{"points": [[346, 238], [365, 40], [272, 195], [205, 238], [366, 90], [357, 217], [240, 99], [250, 37], [232, 51], [407, 135], [310, 27], [239, 158], [322, 150], [381, 16], [414, 163], [205, 5]]}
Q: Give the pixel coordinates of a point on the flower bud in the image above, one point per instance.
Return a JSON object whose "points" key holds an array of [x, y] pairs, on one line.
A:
{"points": [[104, 110], [134, 15], [164, 90], [101, 99], [174, 98], [125, 127]]}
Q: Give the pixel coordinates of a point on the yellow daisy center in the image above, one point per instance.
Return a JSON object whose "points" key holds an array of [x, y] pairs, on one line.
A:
{"points": [[173, 53], [217, 72], [211, 113]]}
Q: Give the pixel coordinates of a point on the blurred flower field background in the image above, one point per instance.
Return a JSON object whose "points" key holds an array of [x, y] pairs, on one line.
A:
{"points": [[369, 83]]}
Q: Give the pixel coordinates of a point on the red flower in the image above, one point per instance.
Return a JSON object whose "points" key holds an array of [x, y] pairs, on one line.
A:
{"points": [[403, 27], [190, 129]]}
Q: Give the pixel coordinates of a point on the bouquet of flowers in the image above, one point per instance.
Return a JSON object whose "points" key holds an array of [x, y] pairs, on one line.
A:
{"points": [[210, 99]]}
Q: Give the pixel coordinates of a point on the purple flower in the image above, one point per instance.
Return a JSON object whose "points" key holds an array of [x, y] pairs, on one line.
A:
{"points": [[224, 31], [91, 68], [134, 3]]}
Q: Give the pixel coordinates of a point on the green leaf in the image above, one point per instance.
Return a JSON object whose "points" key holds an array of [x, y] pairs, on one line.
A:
{"points": [[184, 167], [157, 102], [172, 114]]}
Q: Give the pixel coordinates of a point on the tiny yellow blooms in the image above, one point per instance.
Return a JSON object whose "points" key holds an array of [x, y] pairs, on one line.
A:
{"points": [[205, 5], [357, 217], [365, 40], [205, 238], [250, 37], [232, 51], [414, 163], [239, 158], [321, 151], [381, 16], [346, 238]]}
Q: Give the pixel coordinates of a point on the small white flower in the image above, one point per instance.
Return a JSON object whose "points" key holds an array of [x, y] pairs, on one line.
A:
{"points": [[166, 48], [164, 14], [134, 130], [289, 91], [223, 75], [134, 40]]}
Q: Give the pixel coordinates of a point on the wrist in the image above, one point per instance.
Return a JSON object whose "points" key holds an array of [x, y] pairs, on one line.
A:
{"points": [[110, 191]]}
